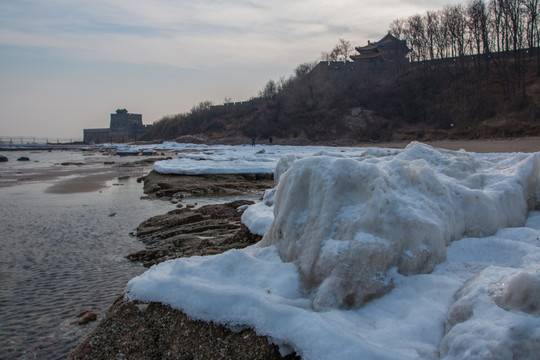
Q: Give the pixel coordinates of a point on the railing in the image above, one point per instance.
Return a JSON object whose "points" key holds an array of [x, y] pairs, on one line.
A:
{"points": [[27, 140]]}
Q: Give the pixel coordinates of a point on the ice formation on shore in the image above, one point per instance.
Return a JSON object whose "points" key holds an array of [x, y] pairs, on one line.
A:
{"points": [[384, 227], [223, 159], [346, 223]]}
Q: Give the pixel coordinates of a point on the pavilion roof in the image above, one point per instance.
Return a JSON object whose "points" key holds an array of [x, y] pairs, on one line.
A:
{"points": [[368, 47], [366, 56]]}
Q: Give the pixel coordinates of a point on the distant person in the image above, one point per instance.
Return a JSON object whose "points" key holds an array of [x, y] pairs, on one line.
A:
{"points": [[252, 141], [270, 140]]}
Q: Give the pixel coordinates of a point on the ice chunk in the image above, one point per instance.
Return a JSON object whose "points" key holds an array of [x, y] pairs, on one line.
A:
{"points": [[258, 217], [283, 164], [415, 202], [520, 292], [476, 328]]}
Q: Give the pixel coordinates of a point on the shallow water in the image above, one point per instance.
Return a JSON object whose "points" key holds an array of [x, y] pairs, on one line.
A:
{"points": [[61, 254]]}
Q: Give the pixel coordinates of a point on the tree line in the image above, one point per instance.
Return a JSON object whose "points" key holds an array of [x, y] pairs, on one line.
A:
{"points": [[500, 36], [475, 28]]}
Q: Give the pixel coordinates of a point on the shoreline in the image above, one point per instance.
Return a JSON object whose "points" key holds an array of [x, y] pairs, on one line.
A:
{"points": [[93, 174], [129, 326], [97, 180]]}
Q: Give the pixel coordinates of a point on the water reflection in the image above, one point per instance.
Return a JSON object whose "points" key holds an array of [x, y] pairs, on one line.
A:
{"points": [[61, 254]]}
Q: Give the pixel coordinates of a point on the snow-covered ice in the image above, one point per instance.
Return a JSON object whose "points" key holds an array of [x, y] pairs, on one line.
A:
{"points": [[377, 254], [345, 223], [223, 159]]}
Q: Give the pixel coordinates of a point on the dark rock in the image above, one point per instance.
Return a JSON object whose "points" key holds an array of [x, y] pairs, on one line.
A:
{"points": [[132, 330], [143, 162], [85, 317], [3, 158], [166, 186], [208, 230], [23, 158], [148, 152], [67, 163], [128, 152]]}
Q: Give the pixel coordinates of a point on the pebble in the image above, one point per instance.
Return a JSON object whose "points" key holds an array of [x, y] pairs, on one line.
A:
{"points": [[85, 317], [242, 208]]}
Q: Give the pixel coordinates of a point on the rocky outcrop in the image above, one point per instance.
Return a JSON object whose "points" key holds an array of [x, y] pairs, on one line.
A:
{"points": [[156, 331], [133, 330], [208, 230], [157, 185]]}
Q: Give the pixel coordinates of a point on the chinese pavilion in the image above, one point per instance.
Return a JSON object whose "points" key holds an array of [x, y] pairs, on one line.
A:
{"points": [[389, 48]]}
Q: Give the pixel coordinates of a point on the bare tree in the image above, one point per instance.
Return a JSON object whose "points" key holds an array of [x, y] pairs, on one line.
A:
{"points": [[532, 12], [346, 48], [477, 23], [340, 52], [397, 28], [269, 90], [201, 107], [432, 30], [304, 69], [455, 21], [533, 33], [415, 35]]}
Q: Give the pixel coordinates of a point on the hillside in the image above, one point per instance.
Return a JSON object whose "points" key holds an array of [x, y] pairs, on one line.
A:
{"points": [[427, 101]]}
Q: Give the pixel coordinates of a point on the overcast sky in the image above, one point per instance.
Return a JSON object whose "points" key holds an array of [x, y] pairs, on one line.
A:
{"points": [[66, 65]]}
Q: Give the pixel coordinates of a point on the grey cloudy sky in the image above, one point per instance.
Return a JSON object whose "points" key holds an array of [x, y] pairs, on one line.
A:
{"points": [[66, 65]]}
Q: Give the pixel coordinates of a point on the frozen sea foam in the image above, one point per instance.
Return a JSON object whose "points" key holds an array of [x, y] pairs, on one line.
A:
{"points": [[346, 222]]}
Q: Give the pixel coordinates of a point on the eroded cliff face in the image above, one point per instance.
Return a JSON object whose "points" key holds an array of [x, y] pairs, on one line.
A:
{"points": [[132, 330]]}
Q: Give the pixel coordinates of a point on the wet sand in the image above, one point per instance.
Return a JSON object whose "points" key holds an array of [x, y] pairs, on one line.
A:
{"points": [[89, 175], [79, 184]]}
